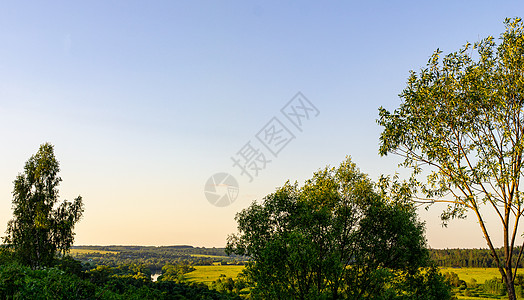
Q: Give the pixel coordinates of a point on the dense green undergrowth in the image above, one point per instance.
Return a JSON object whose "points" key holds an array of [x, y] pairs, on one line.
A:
{"points": [[68, 279]]}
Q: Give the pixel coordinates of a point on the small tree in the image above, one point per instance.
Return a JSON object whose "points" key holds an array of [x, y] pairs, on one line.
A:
{"points": [[462, 121], [40, 229]]}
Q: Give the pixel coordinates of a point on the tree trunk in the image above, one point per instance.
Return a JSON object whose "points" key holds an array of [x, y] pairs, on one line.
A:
{"points": [[507, 278], [505, 268], [510, 287], [509, 282]]}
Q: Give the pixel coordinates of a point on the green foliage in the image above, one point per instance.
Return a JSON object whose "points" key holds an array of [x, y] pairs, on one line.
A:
{"points": [[427, 284], [20, 282], [487, 287], [461, 120], [175, 272], [453, 279], [70, 266], [335, 237], [470, 258], [495, 286], [126, 282], [237, 286], [39, 229]]}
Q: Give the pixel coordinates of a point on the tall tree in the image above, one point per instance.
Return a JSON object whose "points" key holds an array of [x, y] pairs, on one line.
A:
{"points": [[41, 227], [461, 121], [335, 237]]}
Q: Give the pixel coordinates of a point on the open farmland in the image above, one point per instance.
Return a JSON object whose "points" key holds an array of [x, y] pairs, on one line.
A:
{"points": [[479, 274], [208, 274]]}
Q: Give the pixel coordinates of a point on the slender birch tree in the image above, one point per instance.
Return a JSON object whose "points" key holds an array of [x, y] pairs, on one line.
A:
{"points": [[461, 121], [41, 227]]}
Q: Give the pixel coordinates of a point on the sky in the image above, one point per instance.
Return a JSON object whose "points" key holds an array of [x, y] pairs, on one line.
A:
{"points": [[146, 100]]}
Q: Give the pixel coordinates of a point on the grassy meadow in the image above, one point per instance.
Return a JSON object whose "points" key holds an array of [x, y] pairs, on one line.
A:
{"points": [[208, 274], [479, 274]]}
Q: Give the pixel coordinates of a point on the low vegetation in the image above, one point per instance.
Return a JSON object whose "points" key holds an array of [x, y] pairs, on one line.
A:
{"points": [[209, 274], [68, 280], [480, 283]]}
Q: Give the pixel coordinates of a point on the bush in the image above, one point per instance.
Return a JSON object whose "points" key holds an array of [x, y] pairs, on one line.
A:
{"points": [[494, 286], [19, 282]]}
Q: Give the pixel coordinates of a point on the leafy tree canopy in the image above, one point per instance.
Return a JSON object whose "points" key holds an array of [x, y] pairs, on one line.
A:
{"points": [[461, 122], [337, 236], [41, 226]]}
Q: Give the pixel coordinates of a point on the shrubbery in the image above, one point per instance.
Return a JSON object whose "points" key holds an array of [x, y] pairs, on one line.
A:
{"points": [[67, 280]]}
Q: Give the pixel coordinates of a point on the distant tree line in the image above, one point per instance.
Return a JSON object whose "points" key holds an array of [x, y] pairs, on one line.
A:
{"points": [[469, 258], [178, 250]]}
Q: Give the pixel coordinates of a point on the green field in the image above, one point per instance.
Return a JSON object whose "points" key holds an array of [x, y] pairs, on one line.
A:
{"points": [[208, 274], [479, 274]]}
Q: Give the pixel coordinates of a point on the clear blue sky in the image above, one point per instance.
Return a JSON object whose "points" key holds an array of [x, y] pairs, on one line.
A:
{"points": [[145, 100]]}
